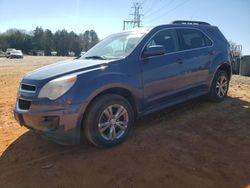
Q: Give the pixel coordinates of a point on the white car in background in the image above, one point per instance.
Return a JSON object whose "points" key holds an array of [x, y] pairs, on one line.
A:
{"points": [[7, 53], [15, 54], [2, 54], [82, 53]]}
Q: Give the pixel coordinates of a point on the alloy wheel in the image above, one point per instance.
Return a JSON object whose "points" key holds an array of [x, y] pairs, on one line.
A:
{"points": [[221, 86], [113, 122]]}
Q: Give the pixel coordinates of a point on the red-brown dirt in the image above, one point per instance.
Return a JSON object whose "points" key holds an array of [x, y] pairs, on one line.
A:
{"points": [[194, 144]]}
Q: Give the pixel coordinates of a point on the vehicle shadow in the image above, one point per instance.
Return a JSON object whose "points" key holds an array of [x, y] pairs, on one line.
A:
{"points": [[154, 144]]}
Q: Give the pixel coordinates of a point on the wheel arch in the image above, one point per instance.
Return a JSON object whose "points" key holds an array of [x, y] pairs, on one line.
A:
{"points": [[124, 92], [225, 67]]}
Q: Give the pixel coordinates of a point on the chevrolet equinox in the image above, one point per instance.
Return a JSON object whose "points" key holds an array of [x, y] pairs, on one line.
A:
{"points": [[123, 77]]}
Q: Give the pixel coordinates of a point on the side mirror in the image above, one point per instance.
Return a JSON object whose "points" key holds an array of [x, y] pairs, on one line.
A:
{"points": [[154, 51]]}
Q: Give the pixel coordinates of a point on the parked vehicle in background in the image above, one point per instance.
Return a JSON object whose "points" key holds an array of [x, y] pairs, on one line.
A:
{"points": [[125, 76], [53, 53], [82, 53], [72, 54], [40, 53], [8, 51], [15, 54], [2, 54]]}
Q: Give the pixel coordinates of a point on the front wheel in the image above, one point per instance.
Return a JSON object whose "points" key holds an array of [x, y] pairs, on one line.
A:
{"points": [[219, 87], [108, 120]]}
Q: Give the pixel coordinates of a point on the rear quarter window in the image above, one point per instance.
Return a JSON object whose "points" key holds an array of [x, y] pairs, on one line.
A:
{"points": [[192, 39], [215, 32]]}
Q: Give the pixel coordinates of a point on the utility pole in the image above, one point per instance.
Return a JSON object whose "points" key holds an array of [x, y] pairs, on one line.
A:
{"points": [[136, 20]]}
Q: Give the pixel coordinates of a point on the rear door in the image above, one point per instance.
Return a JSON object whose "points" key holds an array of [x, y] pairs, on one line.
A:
{"points": [[195, 53]]}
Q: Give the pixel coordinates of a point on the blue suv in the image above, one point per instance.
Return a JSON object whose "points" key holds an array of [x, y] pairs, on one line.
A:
{"points": [[125, 76]]}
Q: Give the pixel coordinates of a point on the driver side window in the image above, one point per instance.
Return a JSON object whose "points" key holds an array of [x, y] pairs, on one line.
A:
{"points": [[166, 38]]}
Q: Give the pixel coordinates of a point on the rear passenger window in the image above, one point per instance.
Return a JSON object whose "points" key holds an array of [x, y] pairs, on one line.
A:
{"points": [[166, 38], [192, 38]]}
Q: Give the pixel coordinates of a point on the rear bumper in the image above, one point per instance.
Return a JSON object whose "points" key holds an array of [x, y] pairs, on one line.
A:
{"points": [[60, 125]]}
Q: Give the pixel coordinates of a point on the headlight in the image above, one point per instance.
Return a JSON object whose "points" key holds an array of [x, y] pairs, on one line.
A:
{"points": [[57, 87]]}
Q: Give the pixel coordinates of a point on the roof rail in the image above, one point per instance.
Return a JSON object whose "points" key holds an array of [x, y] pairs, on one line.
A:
{"points": [[189, 22]]}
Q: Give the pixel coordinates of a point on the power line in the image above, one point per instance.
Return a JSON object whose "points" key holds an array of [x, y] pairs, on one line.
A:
{"points": [[161, 8], [152, 6], [169, 11]]}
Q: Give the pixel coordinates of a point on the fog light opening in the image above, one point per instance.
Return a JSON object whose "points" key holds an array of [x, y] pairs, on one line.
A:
{"points": [[50, 122]]}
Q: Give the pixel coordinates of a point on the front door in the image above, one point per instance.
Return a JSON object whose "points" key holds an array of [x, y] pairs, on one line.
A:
{"points": [[162, 75]]}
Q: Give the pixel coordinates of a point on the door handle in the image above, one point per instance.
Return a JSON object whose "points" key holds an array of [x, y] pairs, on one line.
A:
{"points": [[179, 61]]}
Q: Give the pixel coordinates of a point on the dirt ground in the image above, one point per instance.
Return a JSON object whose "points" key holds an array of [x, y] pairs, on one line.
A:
{"points": [[195, 144]]}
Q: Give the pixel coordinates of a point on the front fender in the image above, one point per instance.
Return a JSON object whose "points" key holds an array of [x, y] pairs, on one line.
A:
{"points": [[106, 81], [102, 82]]}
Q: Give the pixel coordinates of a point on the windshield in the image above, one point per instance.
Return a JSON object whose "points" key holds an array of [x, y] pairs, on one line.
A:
{"points": [[115, 46]]}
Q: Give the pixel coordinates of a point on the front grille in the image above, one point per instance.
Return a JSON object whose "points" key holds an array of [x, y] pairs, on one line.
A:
{"points": [[27, 87], [24, 104]]}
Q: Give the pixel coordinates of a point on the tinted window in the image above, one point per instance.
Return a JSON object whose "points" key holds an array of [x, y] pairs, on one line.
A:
{"points": [[166, 38], [216, 33], [192, 38]]}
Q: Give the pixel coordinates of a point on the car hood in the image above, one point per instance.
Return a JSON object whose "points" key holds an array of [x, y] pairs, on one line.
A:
{"points": [[63, 68]]}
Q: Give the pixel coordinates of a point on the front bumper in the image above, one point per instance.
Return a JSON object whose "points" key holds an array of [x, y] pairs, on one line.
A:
{"points": [[61, 125]]}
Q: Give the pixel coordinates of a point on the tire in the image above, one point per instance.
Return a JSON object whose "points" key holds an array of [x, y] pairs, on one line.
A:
{"points": [[101, 127], [219, 87]]}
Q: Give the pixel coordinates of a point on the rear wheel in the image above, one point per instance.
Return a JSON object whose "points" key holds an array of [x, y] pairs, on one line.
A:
{"points": [[108, 120], [219, 87]]}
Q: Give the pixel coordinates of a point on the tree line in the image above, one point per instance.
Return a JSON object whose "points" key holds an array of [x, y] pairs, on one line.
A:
{"points": [[61, 41]]}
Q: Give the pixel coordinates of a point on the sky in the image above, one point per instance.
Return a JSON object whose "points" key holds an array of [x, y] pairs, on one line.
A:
{"points": [[106, 16]]}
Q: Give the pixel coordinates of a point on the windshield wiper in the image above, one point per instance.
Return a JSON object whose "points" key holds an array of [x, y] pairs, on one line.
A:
{"points": [[95, 57]]}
